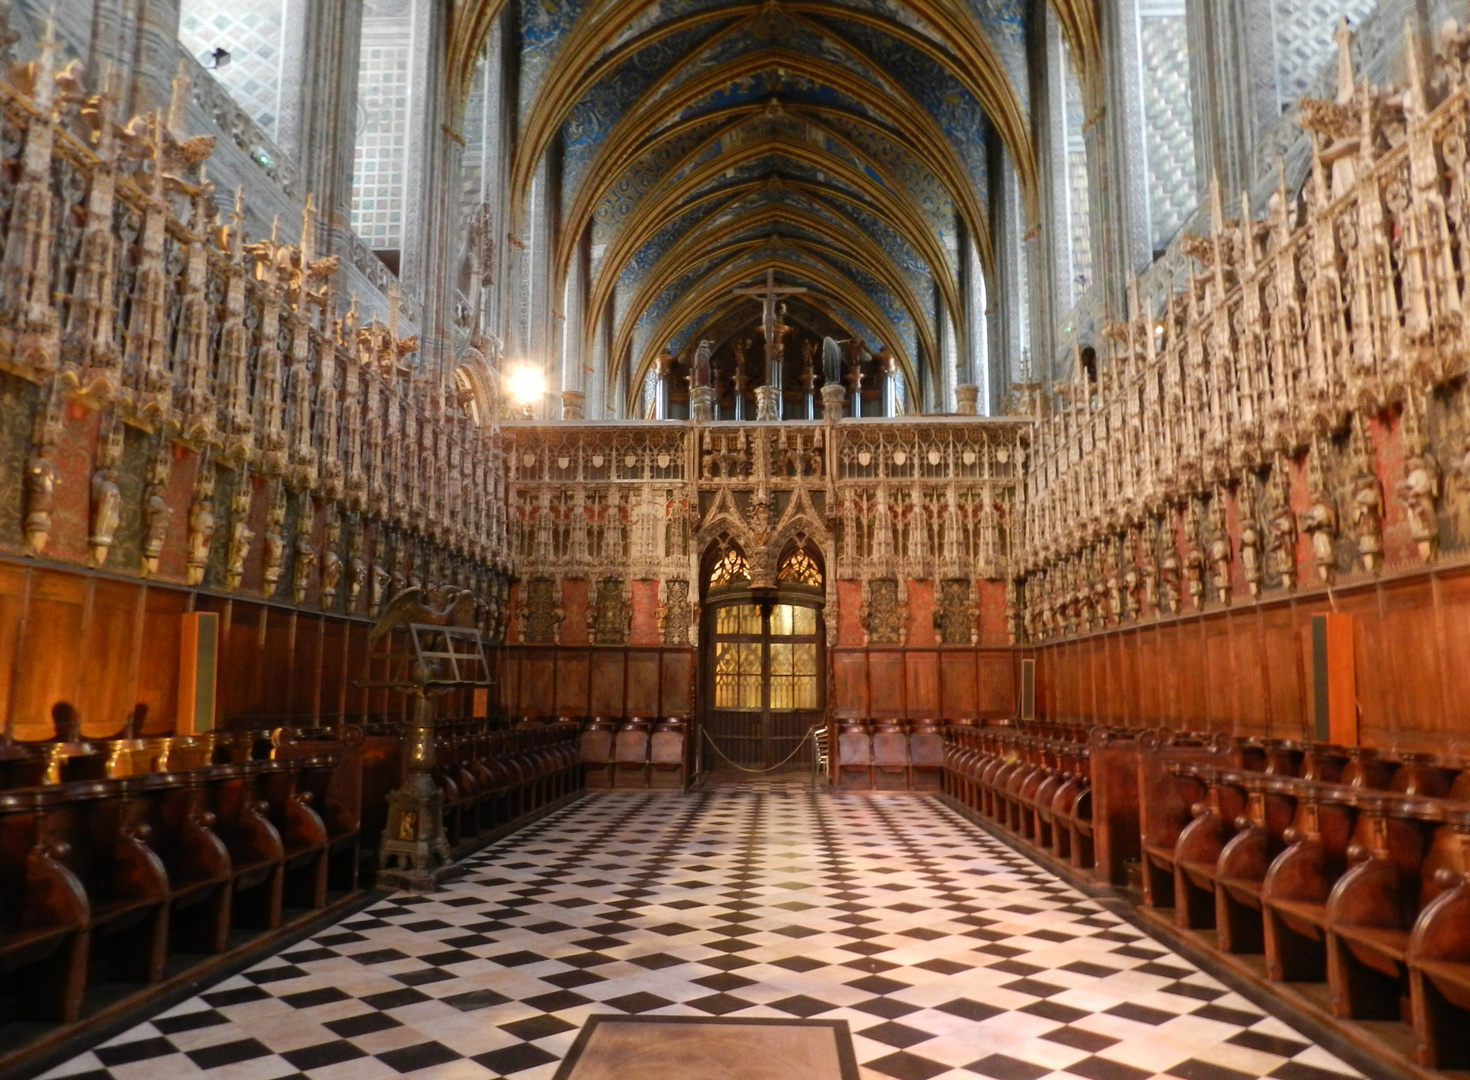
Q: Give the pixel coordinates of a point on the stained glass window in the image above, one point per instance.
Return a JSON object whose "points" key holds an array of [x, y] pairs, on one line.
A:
{"points": [[800, 569], [731, 568]]}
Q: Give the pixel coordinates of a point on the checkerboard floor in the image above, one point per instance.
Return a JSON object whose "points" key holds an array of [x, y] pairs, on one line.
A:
{"points": [[948, 954]]}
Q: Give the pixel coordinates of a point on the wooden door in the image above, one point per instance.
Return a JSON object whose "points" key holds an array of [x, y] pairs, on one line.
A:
{"points": [[763, 682]]}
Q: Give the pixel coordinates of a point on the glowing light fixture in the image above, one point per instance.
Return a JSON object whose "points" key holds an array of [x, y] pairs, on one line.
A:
{"points": [[527, 384]]}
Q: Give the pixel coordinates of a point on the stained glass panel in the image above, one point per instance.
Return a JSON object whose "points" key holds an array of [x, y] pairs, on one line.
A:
{"points": [[731, 568], [801, 569]]}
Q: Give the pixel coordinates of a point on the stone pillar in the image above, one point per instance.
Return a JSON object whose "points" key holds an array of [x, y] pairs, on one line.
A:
{"points": [[833, 398], [318, 111], [1005, 325], [1117, 166], [1049, 247], [702, 404], [573, 405], [1232, 74], [114, 46], [662, 367], [155, 60], [767, 403], [888, 365], [573, 309], [966, 395]]}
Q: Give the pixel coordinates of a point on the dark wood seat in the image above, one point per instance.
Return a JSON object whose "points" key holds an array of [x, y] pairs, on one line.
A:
{"points": [[44, 914]]}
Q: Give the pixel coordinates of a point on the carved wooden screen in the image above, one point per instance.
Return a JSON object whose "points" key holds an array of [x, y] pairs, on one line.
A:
{"points": [[763, 684]]}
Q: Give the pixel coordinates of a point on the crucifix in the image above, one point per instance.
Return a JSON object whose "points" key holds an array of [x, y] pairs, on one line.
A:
{"points": [[768, 294]]}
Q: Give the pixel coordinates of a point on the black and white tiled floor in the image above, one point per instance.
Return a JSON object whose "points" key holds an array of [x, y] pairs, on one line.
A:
{"points": [[948, 954]]}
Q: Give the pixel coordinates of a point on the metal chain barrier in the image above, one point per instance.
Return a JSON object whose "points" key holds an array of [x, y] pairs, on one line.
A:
{"points": [[802, 742]]}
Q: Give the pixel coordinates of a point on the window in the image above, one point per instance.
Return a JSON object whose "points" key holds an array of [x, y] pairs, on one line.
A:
{"points": [[753, 652], [1168, 118], [732, 568], [251, 32], [800, 569], [382, 131]]}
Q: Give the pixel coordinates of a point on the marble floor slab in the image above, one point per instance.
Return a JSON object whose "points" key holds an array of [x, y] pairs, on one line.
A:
{"points": [[947, 954]]}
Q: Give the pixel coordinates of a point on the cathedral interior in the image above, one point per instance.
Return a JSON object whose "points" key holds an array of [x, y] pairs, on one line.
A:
{"points": [[752, 539]]}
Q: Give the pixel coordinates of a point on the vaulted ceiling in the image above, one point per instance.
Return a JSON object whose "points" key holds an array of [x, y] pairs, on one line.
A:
{"points": [[840, 143]]}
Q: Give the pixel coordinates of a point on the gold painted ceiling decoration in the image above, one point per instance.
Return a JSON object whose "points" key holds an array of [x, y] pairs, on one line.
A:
{"points": [[841, 143]]}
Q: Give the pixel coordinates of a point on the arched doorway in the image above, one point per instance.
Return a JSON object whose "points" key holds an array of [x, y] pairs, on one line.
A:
{"points": [[762, 672]]}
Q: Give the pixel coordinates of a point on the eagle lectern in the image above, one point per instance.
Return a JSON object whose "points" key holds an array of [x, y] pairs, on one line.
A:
{"points": [[414, 853]]}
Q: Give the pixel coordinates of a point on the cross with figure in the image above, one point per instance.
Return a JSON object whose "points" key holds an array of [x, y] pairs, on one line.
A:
{"points": [[768, 294]]}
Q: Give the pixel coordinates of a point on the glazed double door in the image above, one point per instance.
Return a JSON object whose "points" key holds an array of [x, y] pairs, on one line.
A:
{"points": [[763, 683]]}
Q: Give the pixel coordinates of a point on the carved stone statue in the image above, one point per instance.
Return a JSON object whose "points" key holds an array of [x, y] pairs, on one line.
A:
{"points": [[1368, 520], [156, 515], [306, 556], [275, 543], [1319, 521], [106, 513], [241, 534], [703, 374], [1418, 491], [1250, 555], [1194, 558], [202, 525], [41, 480], [331, 559]]}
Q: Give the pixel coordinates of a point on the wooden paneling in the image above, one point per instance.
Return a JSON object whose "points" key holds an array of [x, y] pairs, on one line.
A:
{"points": [[849, 683], [997, 685], [886, 683], [573, 682], [608, 680], [158, 668], [596, 681], [50, 651], [921, 677], [958, 684], [1453, 632], [643, 683], [1243, 670], [538, 682], [14, 583], [677, 691]]}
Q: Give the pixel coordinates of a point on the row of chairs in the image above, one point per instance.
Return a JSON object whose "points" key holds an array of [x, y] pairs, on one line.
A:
{"points": [[1336, 865], [638, 753], [1035, 782], [102, 880], [493, 778], [890, 755]]}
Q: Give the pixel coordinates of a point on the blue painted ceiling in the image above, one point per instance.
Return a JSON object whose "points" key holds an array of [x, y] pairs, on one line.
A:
{"points": [[701, 142]]}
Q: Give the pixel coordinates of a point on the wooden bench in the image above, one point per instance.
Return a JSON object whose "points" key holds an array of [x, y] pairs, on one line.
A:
{"points": [[44, 914]]}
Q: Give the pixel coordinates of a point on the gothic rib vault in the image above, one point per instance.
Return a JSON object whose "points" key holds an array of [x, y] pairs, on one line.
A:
{"points": [[692, 147]]}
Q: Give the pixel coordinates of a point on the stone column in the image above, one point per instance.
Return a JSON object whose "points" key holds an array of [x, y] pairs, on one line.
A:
{"points": [[662, 367], [1117, 167], [317, 124], [966, 396], [702, 404], [573, 405], [1049, 247], [431, 169], [155, 57], [1232, 73], [572, 323], [1005, 325], [114, 45]]}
